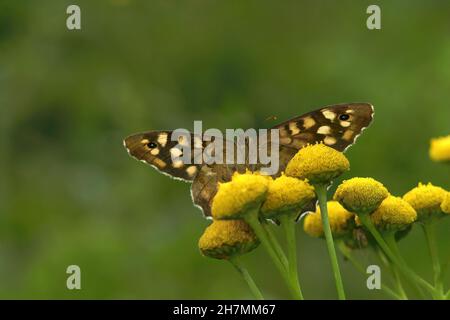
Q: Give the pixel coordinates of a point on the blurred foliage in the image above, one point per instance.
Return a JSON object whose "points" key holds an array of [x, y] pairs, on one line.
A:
{"points": [[70, 194]]}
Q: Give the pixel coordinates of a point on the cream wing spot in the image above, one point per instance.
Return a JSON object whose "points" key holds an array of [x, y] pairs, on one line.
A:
{"points": [[154, 152], [329, 140], [308, 122], [345, 124], [348, 135], [145, 141], [162, 139], [330, 115], [294, 128], [177, 164], [175, 152], [191, 171], [324, 130]]}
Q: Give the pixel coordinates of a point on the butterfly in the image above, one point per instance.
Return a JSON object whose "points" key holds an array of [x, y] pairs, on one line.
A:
{"points": [[337, 126]]}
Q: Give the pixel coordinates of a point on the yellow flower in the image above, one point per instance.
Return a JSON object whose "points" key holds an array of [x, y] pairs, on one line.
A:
{"points": [[224, 239], [394, 213], [317, 163], [341, 221], [244, 192], [445, 205], [440, 149], [361, 195], [286, 194], [426, 199]]}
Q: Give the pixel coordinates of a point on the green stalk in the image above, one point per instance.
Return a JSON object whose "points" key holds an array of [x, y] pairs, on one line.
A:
{"points": [[347, 253], [399, 284], [444, 269], [428, 228], [389, 265], [253, 220], [321, 192], [390, 240], [367, 222], [276, 245], [288, 223], [236, 262]]}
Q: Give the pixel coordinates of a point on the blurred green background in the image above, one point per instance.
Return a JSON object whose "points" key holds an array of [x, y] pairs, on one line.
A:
{"points": [[70, 194]]}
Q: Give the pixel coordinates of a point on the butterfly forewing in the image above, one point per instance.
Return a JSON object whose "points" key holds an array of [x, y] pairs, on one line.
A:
{"points": [[157, 148], [337, 126]]}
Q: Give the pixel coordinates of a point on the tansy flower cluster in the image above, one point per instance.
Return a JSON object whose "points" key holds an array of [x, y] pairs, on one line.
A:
{"points": [[361, 215]]}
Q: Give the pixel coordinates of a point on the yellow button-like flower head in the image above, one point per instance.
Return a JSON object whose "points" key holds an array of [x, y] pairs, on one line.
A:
{"points": [[361, 195], [224, 239], [317, 163], [440, 149], [394, 213], [342, 221], [242, 193], [426, 199], [445, 205], [286, 194]]}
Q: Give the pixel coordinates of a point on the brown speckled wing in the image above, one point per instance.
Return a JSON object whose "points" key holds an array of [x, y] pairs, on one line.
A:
{"points": [[338, 126]]}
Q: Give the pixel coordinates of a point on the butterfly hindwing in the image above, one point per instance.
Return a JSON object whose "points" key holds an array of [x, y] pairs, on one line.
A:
{"points": [[206, 183]]}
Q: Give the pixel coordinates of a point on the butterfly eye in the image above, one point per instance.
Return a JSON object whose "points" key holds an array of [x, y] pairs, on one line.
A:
{"points": [[344, 117], [151, 145]]}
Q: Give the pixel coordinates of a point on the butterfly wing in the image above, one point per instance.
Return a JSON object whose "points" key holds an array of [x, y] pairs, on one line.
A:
{"points": [[206, 184], [156, 148], [337, 126]]}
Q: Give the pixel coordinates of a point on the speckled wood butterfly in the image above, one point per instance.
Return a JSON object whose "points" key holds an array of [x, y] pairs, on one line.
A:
{"points": [[337, 126]]}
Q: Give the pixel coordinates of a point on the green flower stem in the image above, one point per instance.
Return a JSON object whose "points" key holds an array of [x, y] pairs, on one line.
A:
{"points": [[444, 269], [288, 223], [428, 228], [253, 220], [321, 192], [236, 262], [367, 222], [346, 252], [388, 264], [276, 245], [398, 282], [390, 240]]}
